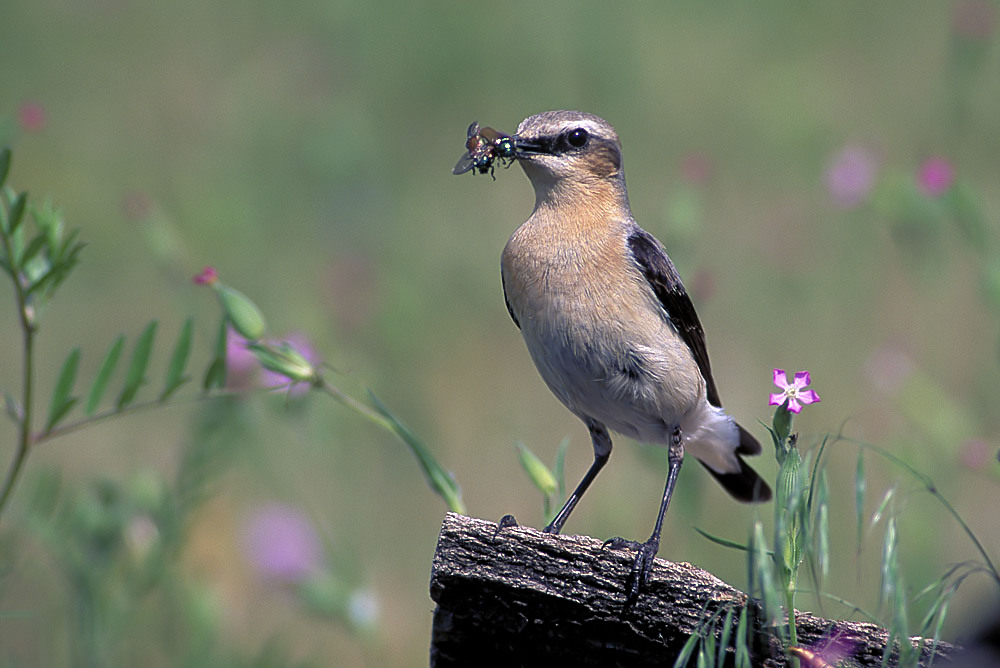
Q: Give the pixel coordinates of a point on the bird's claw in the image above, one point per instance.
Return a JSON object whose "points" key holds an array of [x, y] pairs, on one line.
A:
{"points": [[619, 543], [641, 567]]}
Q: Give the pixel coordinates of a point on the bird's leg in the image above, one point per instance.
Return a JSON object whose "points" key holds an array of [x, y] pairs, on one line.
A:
{"points": [[643, 563], [602, 450]]}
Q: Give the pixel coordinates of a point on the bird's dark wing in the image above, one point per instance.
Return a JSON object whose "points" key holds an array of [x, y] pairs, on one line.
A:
{"points": [[507, 302], [666, 283]]}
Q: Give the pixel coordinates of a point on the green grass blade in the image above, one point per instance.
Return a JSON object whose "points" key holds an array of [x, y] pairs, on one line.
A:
{"points": [[727, 630], [859, 496], [725, 542], [687, 650], [136, 374], [179, 360], [823, 526], [743, 639], [62, 400], [559, 469], [100, 383]]}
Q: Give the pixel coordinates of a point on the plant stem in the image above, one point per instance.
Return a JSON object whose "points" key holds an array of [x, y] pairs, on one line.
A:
{"points": [[793, 638], [27, 393]]}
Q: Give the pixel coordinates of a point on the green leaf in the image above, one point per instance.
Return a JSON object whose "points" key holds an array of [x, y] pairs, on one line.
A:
{"points": [[4, 164], [15, 212], [62, 400], [215, 374], [100, 383], [34, 246], [179, 360], [136, 374], [440, 480], [13, 408], [243, 314]]}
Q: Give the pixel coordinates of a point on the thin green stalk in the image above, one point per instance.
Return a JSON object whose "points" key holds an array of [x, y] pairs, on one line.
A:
{"points": [[27, 391], [793, 638], [356, 405], [142, 406], [932, 489]]}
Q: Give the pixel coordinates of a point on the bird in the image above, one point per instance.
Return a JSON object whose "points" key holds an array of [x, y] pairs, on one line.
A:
{"points": [[608, 323]]}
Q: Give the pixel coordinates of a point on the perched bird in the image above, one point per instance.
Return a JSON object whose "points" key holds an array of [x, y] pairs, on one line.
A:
{"points": [[607, 321]]}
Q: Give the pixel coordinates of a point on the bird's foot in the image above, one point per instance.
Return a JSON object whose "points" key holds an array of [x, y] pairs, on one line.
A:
{"points": [[641, 567], [506, 522]]}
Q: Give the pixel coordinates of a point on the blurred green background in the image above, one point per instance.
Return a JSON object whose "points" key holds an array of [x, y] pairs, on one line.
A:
{"points": [[305, 150]]}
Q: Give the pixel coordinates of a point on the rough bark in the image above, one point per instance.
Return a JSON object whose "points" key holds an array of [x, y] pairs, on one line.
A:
{"points": [[519, 597]]}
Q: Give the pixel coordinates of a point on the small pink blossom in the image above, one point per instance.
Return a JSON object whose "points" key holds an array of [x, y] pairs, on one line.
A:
{"points": [[241, 365], [282, 544], [851, 176], [795, 393], [32, 117], [935, 176], [208, 276]]}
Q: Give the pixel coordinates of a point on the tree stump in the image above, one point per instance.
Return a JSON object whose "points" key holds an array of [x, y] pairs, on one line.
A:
{"points": [[520, 597]]}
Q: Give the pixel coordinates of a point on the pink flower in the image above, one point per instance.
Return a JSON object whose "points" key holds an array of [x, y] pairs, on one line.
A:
{"points": [[32, 117], [241, 365], [851, 176], [795, 393], [282, 544], [935, 176], [208, 276]]}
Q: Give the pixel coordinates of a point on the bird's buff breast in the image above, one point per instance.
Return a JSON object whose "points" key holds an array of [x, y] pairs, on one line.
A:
{"points": [[600, 342]]}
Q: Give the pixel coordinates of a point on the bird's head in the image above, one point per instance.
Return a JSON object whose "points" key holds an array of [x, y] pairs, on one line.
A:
{"points": [[564, 150]]}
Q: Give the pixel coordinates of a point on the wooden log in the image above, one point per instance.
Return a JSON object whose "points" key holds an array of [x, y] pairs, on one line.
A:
{"points": [[520, 597]]}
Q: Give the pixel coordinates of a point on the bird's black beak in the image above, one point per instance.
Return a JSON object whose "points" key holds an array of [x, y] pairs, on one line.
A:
{"points": [[525, 147]]}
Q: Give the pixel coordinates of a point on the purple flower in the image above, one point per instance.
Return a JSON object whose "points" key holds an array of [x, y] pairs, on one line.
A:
{"points": [[282, 544], [851, 176], [241, 365], [795, 393], [935, 176]]}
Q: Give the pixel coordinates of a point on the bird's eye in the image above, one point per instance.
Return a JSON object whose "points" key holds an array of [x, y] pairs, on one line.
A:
{"points": [[577, 138]]}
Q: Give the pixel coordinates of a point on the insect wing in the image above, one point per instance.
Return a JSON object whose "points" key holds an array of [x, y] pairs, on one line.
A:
{"points": [[465, 163]]}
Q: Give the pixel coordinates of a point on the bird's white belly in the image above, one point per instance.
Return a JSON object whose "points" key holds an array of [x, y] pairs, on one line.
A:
{"points": [[611, 373]]}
